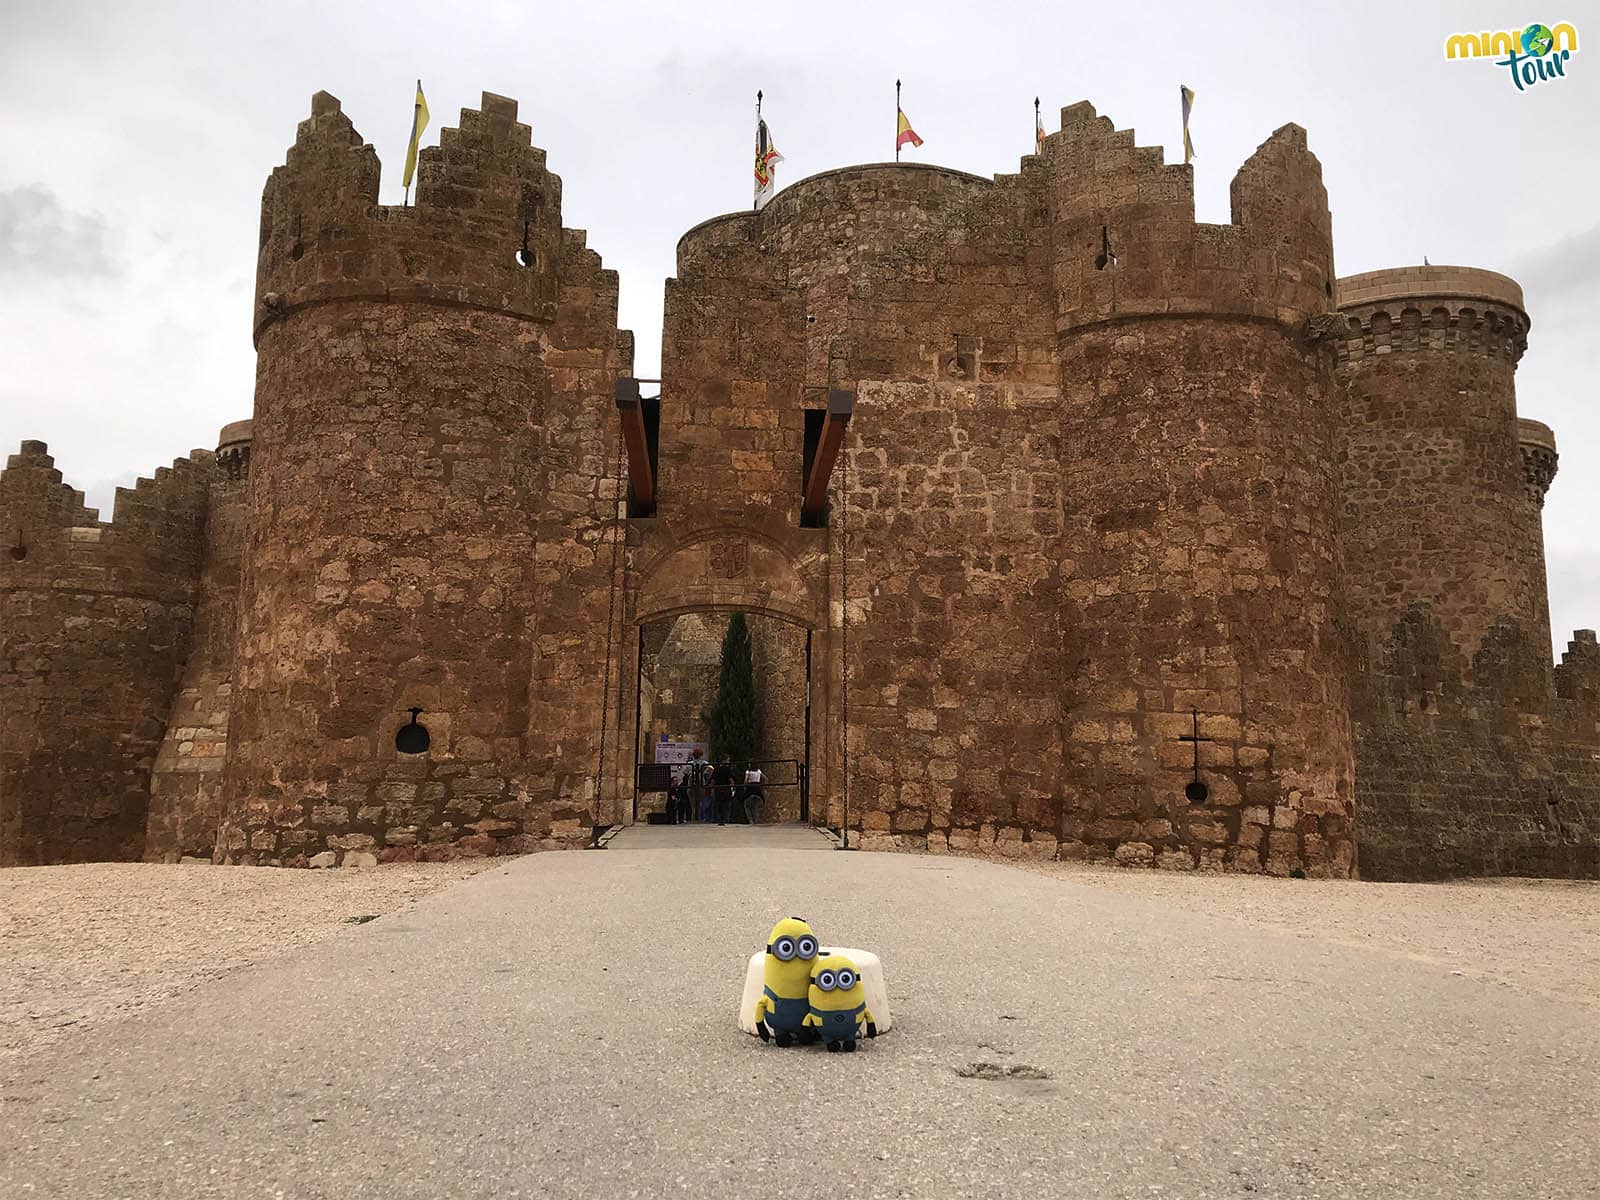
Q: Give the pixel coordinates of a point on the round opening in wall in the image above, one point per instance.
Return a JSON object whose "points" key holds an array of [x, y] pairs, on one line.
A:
{"points": [[1196, 791], [19, 552], [412, 737], [524, 257]]}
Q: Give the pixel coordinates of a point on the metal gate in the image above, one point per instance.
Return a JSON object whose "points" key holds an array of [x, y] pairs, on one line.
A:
{"points": [[780, 774]]}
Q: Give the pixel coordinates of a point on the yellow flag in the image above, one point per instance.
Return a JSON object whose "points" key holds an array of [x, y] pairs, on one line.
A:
{"points": [[1186, 96], [419, 122]]}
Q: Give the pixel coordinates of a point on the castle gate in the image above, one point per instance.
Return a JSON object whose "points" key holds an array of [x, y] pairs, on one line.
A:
{"points": [[677, 681], [671, 566]]}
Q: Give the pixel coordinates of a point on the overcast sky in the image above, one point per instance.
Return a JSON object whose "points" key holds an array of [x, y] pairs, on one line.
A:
{"points": [[135, 139]]}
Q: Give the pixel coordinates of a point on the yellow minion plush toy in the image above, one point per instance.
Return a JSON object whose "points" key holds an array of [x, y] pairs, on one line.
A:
{"points": [[782, 1010], [837, 1003]]}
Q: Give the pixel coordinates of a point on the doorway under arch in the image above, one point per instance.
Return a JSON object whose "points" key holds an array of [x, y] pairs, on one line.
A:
{"points": [[678, 664]]}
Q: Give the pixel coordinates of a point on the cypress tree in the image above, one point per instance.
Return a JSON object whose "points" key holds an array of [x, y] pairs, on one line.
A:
{"points": [[732, 716]]}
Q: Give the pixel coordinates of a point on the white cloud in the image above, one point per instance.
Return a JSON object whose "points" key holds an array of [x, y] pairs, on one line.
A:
{"points": [[39, 236]]}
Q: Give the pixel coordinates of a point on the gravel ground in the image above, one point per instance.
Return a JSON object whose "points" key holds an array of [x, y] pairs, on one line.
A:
{"points": [[81, 945], [1536, 935], [563, 1025]]}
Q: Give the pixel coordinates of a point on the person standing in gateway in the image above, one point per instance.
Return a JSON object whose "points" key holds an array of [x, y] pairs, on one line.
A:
{"points": [[754, 795], [695, 777], [722, 792]]}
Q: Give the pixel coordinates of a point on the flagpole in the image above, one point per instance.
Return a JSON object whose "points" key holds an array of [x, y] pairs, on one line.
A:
{"points": [[897, 120], [1036, 126], [755, 205]]}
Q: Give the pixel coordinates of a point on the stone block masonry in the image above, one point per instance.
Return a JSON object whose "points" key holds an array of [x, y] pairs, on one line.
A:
{"points": [[95, 626], [1110, 474], [429, 487], [951, 513], [186, 783]]}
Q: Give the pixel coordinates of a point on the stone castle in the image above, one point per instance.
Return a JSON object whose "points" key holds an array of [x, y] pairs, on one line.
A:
{"points": [[1111, 535]]}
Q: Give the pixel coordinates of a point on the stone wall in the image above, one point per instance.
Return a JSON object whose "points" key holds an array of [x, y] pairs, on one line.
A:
{"points": [[1203, 587], [1480, 772], [950, 526], [778, 651], [582, 577], [429, 494], [186, 784], [95, 624]]}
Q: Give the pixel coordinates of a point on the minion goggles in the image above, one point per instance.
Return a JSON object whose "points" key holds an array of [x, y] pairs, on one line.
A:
{"points": [[787, 949]]}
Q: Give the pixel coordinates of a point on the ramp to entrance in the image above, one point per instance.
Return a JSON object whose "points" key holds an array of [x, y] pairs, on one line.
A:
{"points": [[696, 836]]}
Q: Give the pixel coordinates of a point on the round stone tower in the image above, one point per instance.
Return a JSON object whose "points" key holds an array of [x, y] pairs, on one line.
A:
{"points": [[1539, 458], [1202, 574], [1436, 512], [400, 384]]}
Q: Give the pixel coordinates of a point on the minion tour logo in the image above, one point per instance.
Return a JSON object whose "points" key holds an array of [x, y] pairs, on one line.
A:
{"points": [[1533, 55]]}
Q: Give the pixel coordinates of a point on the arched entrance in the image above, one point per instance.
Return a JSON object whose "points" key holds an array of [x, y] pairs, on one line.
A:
{"points": [[678, 681], [692, 582]]}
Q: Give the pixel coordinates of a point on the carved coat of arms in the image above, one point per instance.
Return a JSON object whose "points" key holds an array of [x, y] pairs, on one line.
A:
{"points": [[729, 559]]}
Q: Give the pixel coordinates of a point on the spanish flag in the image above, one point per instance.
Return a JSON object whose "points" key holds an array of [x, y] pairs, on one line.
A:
{"points": [[419, 122], [1186, 94], [903, 132], [1038, 130]]}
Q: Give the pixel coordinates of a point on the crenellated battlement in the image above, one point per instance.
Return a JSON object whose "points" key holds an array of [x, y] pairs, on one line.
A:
{"points": [[1274, 261], [233, 450], [31, 482], [1537, 442], [151, 548], [484, 231], [1453, 309], [1577, 676], [1478, 766], [875, 253], [1421, 669]]}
